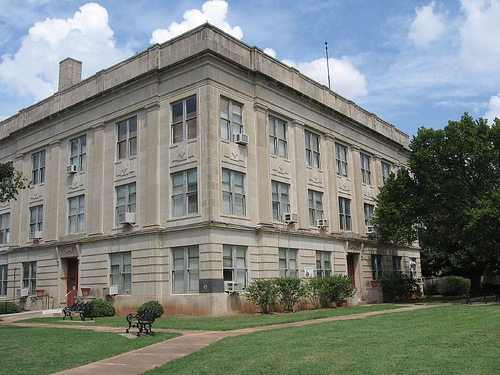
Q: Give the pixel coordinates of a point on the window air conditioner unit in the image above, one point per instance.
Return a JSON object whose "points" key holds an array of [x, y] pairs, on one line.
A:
{"points": [[369, 229], [37, 235], [126, 218], [241, 139], [110, 290], [323, 223], [289, 218], [233, 286], [24, 292], [71, 169]]}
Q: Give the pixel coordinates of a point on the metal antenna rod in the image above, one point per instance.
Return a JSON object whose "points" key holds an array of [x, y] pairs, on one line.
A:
{"points": [[327, 64]]}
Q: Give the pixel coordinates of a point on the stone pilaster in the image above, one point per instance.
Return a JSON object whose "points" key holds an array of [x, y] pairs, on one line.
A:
{"points": [[94, 197]]}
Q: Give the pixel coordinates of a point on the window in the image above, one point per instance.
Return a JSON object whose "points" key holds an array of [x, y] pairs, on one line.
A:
{"points": [[3, 280], [127, 138], [345, 214], [386, 171], [36, 220], [413, 268], [4, 228], [323, 264], [368, 208], [234, 264], [76, 214], [280, 198], [29, 276], [365, 169], [185, 269], [184, 125], [376, 267], [78, 152], [396, 265], [312, 149], [288, 262], [184, 193], [233, 192], [315, 207], [121, 271], [231, 118], [38, 171], [277, 137], [125, 199], [341, 159]]}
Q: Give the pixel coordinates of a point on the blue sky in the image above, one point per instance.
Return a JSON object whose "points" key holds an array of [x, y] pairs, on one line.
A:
{"points": [[412, 63]]}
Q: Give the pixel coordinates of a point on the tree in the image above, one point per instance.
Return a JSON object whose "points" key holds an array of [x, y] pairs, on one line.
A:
{"points": [[449, 199], [11, 181]]}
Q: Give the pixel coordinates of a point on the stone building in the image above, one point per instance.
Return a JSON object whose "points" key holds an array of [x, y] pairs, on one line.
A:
{"points": [[187, 171]]}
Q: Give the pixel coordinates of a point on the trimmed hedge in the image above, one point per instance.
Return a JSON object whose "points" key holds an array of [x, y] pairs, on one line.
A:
{"points": [[156, 304], [399, 287], [453, 285], [103, 308], [9, 308]]}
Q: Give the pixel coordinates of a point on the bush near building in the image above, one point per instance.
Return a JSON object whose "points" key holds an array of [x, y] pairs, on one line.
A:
{"points": [[156, 304], [290, 291], [264, 293], [399, 287], [9, 308], [454, 285], [103, 308]]}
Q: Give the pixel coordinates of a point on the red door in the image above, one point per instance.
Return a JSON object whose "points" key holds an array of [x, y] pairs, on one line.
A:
{"points": [[351, 268], [72, 284]]}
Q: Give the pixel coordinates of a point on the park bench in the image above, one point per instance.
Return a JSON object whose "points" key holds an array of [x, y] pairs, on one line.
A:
{"points": [[487, 290], [85, 309], [143, 321]]}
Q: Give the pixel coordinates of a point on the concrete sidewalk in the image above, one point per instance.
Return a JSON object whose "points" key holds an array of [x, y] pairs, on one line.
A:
{"points": [[147, 358]]}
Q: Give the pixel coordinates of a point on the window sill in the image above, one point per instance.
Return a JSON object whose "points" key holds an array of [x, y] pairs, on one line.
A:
{"points": [[231, 216]]}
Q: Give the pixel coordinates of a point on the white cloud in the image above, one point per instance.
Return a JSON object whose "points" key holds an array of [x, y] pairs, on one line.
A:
{"points": [[213, 11], [427, 26], [493, 109], [345, 78], [270, 52], [480, 30], [33, 70]]}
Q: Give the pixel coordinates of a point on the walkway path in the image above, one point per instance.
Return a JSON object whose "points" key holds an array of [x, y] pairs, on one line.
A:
{"points": [[141, 360]]}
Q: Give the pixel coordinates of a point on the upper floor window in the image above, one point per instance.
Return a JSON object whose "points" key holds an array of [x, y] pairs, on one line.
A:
{"points": [[288, 263], [376, 266], [76, 214], [231, 118], [235, 264], [386, 171], [366, 169], [345, 214], [121, 271], [184, 193], [396, 264], [312, 149], [127, 138], [38, 170], [368, 208], [233, 192], [315, 206], [280, 198], [277, 137], [4, 228], [185, 269], [323, 264], [3, 280], [78, 152], [184, 123], [36, 220], [29, 276], [341, 159], [125, 199]]}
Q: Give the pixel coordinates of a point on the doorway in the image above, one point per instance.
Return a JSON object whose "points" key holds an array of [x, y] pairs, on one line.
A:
{"points": [[351, 267], [72, 282]]}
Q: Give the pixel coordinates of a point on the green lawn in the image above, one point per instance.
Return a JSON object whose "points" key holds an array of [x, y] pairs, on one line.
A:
{"points": [[26, 350], [453, 339], [225, 323]]}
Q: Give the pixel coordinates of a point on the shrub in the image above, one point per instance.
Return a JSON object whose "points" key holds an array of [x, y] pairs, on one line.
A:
{"points": [[315, 289], [290, 291], [337, 288], [264, 293], [398, 287], [103, 308], [453, 285], [156, 304], [9, 308]]}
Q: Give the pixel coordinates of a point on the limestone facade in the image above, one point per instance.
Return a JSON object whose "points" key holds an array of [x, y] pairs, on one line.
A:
{"points": [[162, 136]]}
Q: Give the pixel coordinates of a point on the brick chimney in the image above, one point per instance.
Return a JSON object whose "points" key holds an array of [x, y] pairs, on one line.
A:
{"points": [[70, 73]]}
